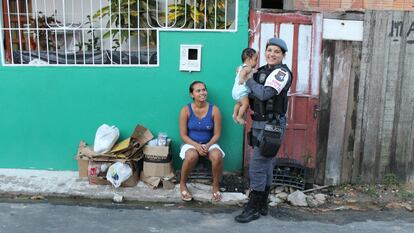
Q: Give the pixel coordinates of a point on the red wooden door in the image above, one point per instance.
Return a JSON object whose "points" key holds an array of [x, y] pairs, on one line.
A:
{"points": [[303, 35]]}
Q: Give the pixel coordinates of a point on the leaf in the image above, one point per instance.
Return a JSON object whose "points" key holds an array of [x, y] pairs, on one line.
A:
{"points": [[106, 35], [102, 12], [172, 17]]}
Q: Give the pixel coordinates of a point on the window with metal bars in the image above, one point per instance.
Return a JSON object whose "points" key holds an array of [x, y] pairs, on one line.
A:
{"points": [[102, 32]]}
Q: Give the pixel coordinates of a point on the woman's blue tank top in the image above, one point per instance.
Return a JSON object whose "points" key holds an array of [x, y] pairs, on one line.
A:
{"points": [[201, 130]]}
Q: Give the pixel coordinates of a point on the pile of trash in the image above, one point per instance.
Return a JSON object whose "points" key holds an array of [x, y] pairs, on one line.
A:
{"points": [[110, 163], [138, 157]]}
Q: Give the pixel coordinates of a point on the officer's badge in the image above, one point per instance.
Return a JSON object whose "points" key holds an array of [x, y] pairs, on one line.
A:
{"points": [[262, 77], [280, 76]]}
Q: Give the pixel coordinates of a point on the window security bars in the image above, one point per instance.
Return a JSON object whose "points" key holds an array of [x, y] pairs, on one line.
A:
{"points": [[102, 32]]}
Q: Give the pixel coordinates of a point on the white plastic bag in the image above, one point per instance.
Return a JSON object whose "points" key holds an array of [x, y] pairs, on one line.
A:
{"points": [[118, 173], [105, 138]]}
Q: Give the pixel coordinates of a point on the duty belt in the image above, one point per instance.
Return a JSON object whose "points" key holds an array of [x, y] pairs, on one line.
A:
{"points": [[257, 117]]}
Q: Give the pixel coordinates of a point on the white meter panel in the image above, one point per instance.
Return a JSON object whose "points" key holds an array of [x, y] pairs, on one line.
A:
{"points": [[190, 58]]}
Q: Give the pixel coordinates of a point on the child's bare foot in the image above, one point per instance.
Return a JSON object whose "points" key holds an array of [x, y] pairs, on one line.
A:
{"points": [[241, 120]]}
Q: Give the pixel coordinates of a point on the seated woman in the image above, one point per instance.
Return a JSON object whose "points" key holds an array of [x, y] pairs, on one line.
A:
{"points": [[200, 129]]}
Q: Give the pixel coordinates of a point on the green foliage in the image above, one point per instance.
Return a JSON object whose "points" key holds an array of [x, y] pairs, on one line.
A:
{"points": [[370, 190], [390, 179], [122, 15], [92, 42], [406, 194], [204, 14]]}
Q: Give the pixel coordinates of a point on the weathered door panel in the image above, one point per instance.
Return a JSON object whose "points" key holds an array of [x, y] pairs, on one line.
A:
{"points": [[302, 34]]}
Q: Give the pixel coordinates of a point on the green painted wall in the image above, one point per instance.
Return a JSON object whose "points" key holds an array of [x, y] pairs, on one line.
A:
{"points": [[46, 111]]}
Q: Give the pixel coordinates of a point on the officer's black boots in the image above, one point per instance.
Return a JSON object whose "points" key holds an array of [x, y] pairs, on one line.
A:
{"points": [[251, 211], [264, 207]]}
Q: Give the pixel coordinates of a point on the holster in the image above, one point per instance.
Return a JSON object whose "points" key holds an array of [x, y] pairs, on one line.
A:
{"points": [[270, 141]]}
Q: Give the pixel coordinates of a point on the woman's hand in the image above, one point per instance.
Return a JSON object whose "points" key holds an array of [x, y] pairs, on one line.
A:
{"points": [[201, 149], [206, 147]]}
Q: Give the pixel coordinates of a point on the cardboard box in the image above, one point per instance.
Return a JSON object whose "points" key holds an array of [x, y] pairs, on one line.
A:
{"points": [[82, 167], [95, 173], [157, 169], [83, 159], [160, 154], [157, 161], [98, 177], [156, 151]]}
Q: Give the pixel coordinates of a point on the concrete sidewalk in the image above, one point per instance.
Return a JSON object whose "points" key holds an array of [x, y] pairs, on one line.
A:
{"points": [[68, 184]]}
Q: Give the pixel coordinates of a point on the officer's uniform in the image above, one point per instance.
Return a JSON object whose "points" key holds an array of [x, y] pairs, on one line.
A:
{"points": [[268, 100]]}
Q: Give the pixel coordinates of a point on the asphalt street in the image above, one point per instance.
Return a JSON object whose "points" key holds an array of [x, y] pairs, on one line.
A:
{"points": [[56, 216]]}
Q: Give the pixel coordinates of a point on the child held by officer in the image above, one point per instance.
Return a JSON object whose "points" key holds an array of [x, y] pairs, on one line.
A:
{"points": [[240, 91]]}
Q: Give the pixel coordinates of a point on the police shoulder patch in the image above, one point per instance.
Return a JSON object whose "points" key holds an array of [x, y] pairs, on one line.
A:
{"points": [[277, 79], [280, 76]]}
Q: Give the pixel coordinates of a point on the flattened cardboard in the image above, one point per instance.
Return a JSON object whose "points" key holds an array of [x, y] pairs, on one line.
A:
{"points": [[167, 184], [141, 135], [121, 146], [152, 181], [155, 182], [84, 150], [131, 181]]}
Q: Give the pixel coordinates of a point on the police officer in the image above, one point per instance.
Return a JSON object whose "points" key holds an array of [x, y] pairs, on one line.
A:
{"points": [[268, 100]]}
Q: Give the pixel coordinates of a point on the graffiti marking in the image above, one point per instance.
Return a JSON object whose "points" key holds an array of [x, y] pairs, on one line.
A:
{"points": [[397, 28], [411, 29]]}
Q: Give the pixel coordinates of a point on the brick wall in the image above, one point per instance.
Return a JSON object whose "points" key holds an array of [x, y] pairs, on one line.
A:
{"points": [[338, 5]]}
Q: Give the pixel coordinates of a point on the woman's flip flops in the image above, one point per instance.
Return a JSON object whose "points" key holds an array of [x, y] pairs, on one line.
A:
{"points": [[216, 196], [186, 196]]}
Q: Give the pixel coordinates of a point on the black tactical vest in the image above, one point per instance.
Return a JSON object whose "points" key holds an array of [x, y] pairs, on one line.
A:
{"points": [[277, 105]]}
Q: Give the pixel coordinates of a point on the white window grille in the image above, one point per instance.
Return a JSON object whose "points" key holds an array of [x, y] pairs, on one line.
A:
{"points": [[102, 32]]}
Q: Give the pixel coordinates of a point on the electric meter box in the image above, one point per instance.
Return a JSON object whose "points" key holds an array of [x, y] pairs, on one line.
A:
{"points": [[190, 58]]}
